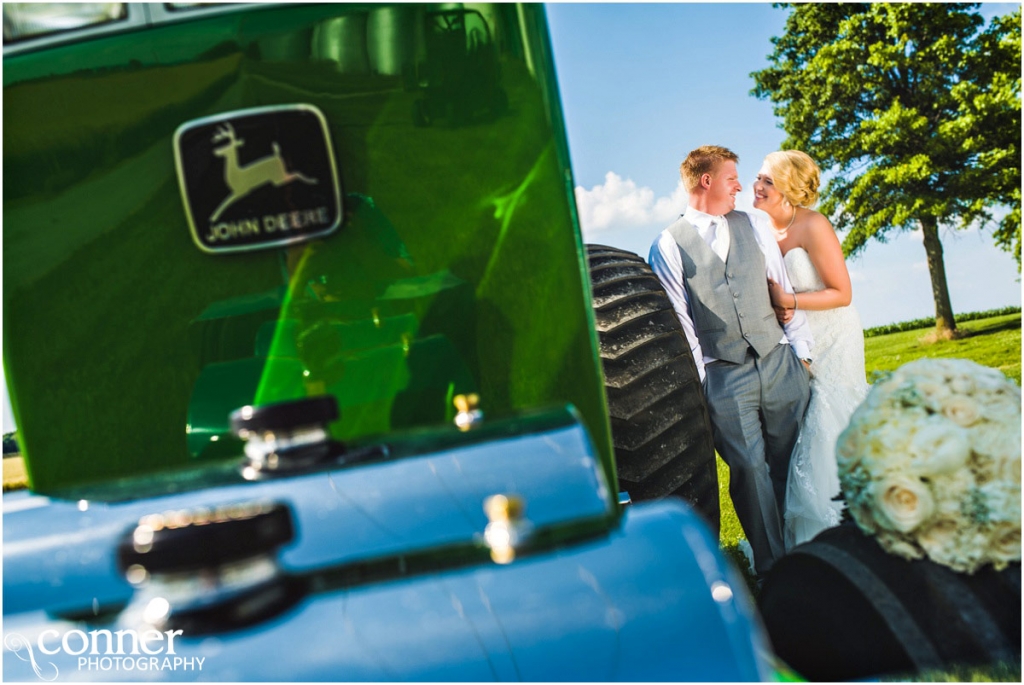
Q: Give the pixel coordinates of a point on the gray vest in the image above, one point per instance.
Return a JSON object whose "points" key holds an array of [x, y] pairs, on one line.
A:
{"points": [[729, 302]]}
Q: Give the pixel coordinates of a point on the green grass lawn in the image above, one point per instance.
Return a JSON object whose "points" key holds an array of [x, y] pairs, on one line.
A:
{"points": [[993, 342]]}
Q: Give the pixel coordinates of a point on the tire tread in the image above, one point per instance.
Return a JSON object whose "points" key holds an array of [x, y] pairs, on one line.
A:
{"points": [[660, 424]]}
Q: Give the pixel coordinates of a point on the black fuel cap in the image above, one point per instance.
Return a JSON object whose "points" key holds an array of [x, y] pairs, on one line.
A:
{"points": [[205, 538], [285, 416], [286, 437]]}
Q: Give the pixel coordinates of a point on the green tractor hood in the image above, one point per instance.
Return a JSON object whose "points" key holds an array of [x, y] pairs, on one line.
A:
{"points": [[230, 208]]}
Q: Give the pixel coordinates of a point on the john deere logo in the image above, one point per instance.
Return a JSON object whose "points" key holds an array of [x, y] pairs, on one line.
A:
{"points": [[258, 178]]}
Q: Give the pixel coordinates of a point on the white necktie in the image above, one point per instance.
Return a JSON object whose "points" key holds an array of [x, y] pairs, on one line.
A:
{"points": [[720, 243]]}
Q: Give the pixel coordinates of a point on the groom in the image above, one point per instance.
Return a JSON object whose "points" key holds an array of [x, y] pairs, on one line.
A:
{"points": [[714, 265]]}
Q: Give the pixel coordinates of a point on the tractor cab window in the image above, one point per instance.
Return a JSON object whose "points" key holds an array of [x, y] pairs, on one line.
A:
{"points": [[477, 32], [463, 30], [31, 26], [23, 20]]}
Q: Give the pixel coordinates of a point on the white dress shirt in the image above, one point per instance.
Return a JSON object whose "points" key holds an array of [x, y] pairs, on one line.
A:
{"points": [[668, 266]]}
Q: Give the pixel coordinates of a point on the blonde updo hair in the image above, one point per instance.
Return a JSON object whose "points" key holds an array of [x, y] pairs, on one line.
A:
{"points": [[795, 175]]}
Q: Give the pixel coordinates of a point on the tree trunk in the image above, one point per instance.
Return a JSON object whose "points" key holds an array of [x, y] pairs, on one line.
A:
{"points": [[945, 325]]}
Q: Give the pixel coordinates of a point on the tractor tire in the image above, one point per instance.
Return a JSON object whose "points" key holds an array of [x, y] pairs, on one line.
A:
{"points": [[661, 429]]}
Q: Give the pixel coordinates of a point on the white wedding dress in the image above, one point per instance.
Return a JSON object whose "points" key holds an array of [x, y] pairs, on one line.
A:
{"points": [[838, 386]]}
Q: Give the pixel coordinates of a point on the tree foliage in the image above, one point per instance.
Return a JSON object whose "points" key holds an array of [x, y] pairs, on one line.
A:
{"points": [[991, 107], [10, 441], [914, 108]]}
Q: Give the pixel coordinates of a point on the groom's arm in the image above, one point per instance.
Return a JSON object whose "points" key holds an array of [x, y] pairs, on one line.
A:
{"points": [[668, 267], [797, 330]]}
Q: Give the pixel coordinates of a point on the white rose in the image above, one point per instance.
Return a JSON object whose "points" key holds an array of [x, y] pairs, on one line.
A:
{"points": [[1009, 470], [934, 393], [996, 441], [947, 508], [961, 409], [1000, 408], [939, 446], [951, 488], [923, 370], [954, 543], [888, 442], [940, 536], [903, 502], [962, 385], [1005, 543]]}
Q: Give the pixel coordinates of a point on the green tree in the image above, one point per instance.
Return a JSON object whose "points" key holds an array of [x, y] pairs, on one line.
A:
{"points": [[11, 443], [914, 110]]}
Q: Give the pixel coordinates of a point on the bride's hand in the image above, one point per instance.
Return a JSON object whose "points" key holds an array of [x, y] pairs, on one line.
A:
{"points": [[780, 298]]}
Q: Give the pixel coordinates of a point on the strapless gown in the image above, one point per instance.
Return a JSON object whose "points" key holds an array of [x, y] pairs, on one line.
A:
{"points": [[838, 386]]}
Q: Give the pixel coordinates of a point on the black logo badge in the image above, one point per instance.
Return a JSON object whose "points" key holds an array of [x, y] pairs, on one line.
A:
{"points": [[258, 178]]}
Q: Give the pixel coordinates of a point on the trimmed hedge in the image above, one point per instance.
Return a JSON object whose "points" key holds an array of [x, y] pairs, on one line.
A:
{"points": [[929, 322]]}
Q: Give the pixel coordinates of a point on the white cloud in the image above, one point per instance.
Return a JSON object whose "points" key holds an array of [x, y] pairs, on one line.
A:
{"points": [[621, 204]]}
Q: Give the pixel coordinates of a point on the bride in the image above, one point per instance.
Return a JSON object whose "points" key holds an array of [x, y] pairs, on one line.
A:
{"points": [[785, 189]]}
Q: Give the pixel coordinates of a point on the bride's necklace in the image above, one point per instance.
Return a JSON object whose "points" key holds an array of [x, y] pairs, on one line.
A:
{"points": [[781, 233]]}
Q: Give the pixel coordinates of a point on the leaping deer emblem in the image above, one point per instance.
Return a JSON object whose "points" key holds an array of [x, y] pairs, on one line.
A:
{"points": [[244, 180]]}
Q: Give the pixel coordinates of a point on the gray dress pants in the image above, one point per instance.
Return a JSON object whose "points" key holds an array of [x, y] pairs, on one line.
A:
{"points": [[756, 410]]}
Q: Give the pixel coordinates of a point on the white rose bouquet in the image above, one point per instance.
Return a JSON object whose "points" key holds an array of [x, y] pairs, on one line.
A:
{"points": [[930, 464]]}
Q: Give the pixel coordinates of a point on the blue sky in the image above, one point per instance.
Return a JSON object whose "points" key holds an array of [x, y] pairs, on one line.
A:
{"points": [[643, 84]]}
